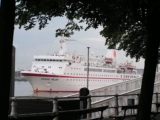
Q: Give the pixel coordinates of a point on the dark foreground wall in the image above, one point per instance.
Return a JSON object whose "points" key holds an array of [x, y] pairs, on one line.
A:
{"points": [[38, 106]]}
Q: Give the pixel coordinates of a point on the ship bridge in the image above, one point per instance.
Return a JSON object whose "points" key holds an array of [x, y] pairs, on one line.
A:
{"points": [[50, 64]]}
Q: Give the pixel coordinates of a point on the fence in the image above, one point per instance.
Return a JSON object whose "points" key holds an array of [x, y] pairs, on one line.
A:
{"points": [[114, 103]]}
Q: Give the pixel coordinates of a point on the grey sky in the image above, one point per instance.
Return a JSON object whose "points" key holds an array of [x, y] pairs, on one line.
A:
{"points": [[43, 42]]}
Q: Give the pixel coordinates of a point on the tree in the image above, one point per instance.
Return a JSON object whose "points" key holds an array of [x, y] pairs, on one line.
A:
{"points": [[7, 16], [134, 25]]}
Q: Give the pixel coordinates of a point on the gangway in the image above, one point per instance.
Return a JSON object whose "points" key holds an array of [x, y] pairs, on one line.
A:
{"points": [[123, 88]]}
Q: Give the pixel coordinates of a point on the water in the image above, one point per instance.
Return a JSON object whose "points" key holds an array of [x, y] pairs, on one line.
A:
{"points": [[24, 88]]}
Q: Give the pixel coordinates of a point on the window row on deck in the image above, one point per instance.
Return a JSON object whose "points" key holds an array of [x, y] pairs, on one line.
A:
{"points": [[93, 75], [54, 60]]}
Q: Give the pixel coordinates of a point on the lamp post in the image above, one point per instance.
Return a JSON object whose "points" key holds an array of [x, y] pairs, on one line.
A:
{"points": [[88, 67]]}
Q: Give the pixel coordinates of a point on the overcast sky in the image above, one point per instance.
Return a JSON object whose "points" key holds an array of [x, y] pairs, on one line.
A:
{"points": [[43, 42]]}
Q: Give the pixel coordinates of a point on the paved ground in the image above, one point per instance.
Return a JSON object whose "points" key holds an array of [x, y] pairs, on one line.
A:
{"points": [[132, 118]]}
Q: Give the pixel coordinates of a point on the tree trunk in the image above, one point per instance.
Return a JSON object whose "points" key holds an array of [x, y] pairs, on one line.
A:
{"points": [[152, 45], [7, 16]]}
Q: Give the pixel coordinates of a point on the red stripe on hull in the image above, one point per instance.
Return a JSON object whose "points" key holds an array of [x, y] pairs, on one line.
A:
{"points": [[53, 91], [44, 75]]}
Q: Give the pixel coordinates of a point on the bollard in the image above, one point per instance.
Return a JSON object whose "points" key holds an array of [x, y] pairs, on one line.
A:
{"points": [[14, 107], [83, 101], [116, 104], [89, 105], [55, 106]]}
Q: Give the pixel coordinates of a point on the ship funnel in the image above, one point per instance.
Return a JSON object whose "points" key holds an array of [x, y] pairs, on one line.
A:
{"points": [[110, 55]]}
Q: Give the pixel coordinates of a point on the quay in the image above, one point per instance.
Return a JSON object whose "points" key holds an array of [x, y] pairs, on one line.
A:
{"points": [[60, 108], [114, 97]]}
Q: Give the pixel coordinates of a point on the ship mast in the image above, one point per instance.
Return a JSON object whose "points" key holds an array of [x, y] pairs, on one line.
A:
{"points": [[63, 48]]}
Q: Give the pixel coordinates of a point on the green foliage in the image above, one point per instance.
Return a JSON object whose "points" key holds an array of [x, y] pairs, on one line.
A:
{"points": [[124, 21]]}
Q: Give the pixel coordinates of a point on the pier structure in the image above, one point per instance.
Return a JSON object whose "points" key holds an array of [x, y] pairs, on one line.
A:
{"points": [[108, 95], [114, 97]]}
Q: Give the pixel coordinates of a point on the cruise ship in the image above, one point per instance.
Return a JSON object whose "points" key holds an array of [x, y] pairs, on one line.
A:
{"points": [[67, 72]]}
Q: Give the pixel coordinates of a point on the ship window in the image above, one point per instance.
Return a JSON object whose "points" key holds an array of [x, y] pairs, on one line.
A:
{"points": [[57, 60], [64, 73], [47, 59], [42, 66], [71, 73], [93, 70], [71, 67], [68, 73], [60, 60], [53, 60], [38, 59], [109, 71], [50, 59], [44, 59]]}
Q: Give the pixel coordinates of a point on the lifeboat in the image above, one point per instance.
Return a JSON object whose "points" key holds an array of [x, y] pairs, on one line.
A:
{"points": [[129, 66], [108, 60], [122, 67]]}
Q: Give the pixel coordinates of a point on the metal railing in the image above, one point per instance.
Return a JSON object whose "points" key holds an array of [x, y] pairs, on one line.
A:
{"points": [[117, 88], [114, 108]]}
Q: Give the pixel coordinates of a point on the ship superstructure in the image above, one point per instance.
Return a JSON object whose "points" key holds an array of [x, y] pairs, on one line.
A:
{"points": [[62, 72]]}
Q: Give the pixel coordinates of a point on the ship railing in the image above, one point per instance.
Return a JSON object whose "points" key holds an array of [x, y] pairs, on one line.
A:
{"points": [[114, 103]]}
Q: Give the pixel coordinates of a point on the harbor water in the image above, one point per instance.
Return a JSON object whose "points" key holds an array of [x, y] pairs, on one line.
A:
{"points": [[24, 88]]}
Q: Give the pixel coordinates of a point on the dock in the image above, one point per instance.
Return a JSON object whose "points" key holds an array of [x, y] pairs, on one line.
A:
{"points": [[70, 108]]}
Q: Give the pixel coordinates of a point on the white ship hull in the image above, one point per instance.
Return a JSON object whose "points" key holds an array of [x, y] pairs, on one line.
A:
{"points": [[61, 83]]}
